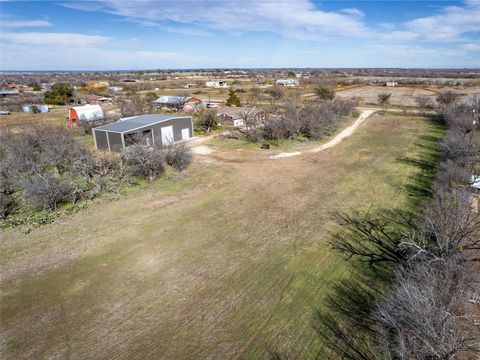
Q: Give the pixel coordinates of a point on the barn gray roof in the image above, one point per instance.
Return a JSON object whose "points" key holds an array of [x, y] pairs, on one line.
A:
{"points": [[136, 122]]}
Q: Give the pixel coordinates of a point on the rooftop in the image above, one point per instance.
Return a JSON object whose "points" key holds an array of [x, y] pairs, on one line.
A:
{"points": [[136, 122], [476, 181], [237, 111], [168, 99]]}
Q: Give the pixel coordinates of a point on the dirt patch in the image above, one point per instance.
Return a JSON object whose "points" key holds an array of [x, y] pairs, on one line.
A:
{"points": [[201, 150]]}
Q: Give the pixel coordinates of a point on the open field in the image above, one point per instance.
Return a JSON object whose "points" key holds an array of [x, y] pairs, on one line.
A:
{"points": [[57, 116], [401, 95], [225, 261]]}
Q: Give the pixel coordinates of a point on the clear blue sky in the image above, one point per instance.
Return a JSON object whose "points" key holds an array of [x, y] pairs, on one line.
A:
{"points": [[151, 34]]}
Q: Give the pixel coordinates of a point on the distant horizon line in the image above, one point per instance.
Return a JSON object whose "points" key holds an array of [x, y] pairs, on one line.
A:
{"points": [[244, 68]]}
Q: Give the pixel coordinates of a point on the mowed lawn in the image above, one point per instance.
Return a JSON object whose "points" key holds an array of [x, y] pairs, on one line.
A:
{"points": [[226, 261]]}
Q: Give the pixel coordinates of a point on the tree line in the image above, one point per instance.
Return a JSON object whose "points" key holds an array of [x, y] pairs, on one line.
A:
{"points": [[414, 285]]}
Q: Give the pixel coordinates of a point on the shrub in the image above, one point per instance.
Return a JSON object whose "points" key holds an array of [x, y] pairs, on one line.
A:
{"points": [[8, 176], [206, 121], [6, 205], [145, 161], [383, 99], [325, 93], [46, 191], [447, 98], [178, 155]]}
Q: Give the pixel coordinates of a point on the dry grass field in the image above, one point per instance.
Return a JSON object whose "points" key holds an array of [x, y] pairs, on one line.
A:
{"points": [[56, 116], [401, 95], [227, 260]]}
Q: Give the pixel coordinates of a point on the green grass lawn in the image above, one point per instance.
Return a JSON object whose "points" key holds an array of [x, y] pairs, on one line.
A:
{"points": [[227, 260]]}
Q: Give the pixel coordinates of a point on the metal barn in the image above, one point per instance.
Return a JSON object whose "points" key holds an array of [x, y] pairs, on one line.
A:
{"points": [[147, 129]]}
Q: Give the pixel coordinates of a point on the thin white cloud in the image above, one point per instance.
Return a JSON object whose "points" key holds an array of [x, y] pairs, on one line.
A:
{"points": [[185, 31], [298, 19], [18, 56], [53, 39], [450, 24], [295, 19], [401, 36], [410, 51], [354, 12], [471, 47], [6, 23]]}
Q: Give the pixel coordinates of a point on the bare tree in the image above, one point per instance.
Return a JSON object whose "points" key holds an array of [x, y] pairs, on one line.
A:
{"points": [[145, 161], [447, 99], [206, 121], [276, 93], [178, 155], [427, 313], [43, 190], [424, 102]]}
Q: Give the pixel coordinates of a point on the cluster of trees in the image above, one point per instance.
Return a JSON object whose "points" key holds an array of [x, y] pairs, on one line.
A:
{"points": [[15, 103], [312, 120], [414, 292], [60, 94], [44, 167]]}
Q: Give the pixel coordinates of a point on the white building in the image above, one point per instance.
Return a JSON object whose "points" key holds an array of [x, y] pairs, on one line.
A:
{"points": [[287, 82], [116, 88], [216, 84], [391, 83]]}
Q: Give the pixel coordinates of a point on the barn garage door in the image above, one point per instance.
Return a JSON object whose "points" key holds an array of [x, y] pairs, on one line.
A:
{"points": [[185, 134], [167, 135]]}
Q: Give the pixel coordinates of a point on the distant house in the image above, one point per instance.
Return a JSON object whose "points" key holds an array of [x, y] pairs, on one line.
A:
{"points": [[287, 82], [216, 84], [236, 116], [8, 92], [98, 84], [391, 83], [104, 100], [85, 113], [189, 86], [161, 129], [41, 108], [185, 103], [475, 184], [116, 88]]}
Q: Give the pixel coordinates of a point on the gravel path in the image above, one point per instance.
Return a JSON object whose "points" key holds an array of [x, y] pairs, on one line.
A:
{"points": [[337, 139]]}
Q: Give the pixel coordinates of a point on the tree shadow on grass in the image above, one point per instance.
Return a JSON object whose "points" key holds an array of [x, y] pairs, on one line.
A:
{"points": [[426, 161]]}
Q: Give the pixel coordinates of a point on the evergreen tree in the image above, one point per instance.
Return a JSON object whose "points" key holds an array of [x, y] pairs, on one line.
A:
{"points": [[233, 99]]}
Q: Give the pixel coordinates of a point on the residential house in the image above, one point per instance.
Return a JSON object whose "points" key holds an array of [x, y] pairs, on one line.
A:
{"points": [[41, 108], [216, 84], [475, 184], [287, 82], [98, 84], [391, 83], [115, 88], [236, 116], [8, 92], [185, 103]]}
